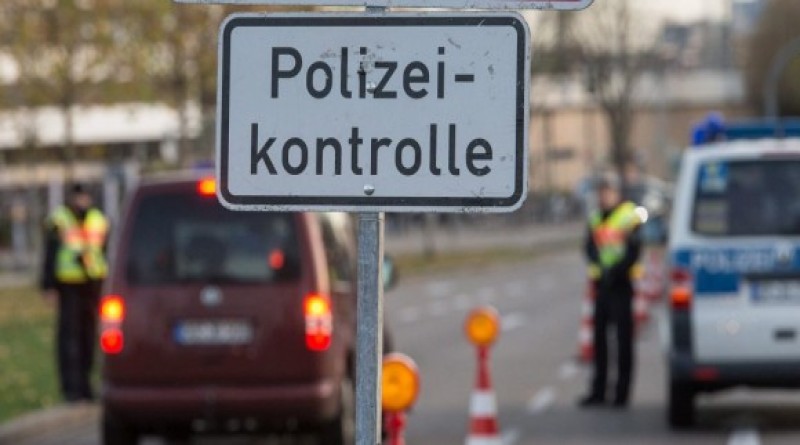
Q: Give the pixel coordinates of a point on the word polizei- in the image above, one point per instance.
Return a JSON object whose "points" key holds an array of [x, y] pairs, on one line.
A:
{"points": [[326, 154]]}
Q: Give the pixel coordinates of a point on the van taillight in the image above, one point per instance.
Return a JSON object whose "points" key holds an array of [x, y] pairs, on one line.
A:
{"points": [[111, 341], [319, 322], [112, 309], [207, 187], [112, 314], [681, 290]]}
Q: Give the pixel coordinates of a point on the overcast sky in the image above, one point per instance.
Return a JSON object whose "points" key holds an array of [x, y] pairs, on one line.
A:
{"points": [[686, 9]]}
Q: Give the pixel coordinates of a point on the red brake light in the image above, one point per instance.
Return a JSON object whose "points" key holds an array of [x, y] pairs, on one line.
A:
{"points": [[112, 309], [681, 276], [112, 313], [319, 322], [706, 374], [111, 341], [681, 292], [681, 297], [207, 187], [277, 259]]}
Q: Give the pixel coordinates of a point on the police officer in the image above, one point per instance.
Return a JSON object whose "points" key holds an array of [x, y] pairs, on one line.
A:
{"points": [[612, 248], [73, 269]]}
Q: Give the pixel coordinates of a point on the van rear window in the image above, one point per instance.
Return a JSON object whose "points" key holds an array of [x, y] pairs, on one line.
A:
{"points": [[748, 198], [186, 238]]}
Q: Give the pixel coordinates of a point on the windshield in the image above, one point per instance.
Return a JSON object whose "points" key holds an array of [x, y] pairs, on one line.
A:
{"points": [[187, 238], [748, 198]]}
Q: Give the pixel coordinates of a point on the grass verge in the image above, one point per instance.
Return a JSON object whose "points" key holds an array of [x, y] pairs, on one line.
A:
{"points": [[27, 358]]}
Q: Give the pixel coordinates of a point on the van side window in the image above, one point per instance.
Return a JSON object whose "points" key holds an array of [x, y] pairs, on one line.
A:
{"points": [[336, 230]]}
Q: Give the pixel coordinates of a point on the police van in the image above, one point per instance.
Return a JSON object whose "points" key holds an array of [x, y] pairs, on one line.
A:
{"points": [[734, 253]]}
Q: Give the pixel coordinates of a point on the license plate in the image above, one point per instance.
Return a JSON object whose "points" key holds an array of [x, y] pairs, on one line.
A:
{"points": [[777, 291], [213, 333]]}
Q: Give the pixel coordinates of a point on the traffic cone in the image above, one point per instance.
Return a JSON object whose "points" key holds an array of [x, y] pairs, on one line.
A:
{"points": [[483, 424], [654, 277], [586, 330], [395, 426], [641, 309]]}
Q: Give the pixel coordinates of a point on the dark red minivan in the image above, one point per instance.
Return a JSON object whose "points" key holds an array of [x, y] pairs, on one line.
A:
{"points": [[216, 321]]}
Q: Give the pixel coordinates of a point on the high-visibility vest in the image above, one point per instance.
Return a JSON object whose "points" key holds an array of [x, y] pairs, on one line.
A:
{"points": [[80, 257], [610, 236]]}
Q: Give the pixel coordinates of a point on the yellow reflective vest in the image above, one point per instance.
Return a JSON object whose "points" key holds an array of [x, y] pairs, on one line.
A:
{"points": [[610, 236], [81, 256]]}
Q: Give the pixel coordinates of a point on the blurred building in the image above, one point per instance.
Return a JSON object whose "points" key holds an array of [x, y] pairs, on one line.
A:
{"points": [[569, 135], [112, 145], [693, 69], [702, 45], [745, 15]]}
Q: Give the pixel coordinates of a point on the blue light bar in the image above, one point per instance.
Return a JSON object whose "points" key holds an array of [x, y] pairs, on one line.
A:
{"points": [[715, 129]]}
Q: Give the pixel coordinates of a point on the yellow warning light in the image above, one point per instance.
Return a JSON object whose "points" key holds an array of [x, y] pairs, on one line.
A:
{"points": [[400, 383], [483, 326]]}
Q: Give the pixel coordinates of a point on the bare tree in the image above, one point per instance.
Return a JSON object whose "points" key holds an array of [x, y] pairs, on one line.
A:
{"points": [[178, 53], [614, 51]]}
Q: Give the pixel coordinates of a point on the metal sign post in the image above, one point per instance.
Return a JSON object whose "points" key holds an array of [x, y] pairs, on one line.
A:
{"points": [[369, 332], [369, 316]]}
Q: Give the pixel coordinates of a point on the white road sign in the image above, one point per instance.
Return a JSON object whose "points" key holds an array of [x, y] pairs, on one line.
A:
{"points": [[563, 5], [373, 113]]}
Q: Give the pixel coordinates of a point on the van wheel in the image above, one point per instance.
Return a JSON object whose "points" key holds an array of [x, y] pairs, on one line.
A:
{"points": [[341, 430], [118, 433], [681, 405]]}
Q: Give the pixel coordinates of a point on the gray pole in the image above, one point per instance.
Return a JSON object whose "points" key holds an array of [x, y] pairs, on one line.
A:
{"points": [[369, 331], [776, 70], [369, 313]]}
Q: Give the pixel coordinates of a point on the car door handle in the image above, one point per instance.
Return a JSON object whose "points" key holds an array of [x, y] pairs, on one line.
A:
{"points": [[785, 334]]}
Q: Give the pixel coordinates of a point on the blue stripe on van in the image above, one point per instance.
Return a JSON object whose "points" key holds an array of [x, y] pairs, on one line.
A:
{"points": [[718, 271]]}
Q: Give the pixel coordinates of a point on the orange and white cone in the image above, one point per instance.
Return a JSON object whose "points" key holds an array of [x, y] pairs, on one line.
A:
{"points": [[586, 330], [483, 424], [641, 309]]}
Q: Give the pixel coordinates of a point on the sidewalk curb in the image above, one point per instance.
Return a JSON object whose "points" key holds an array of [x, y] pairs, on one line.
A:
{"points": [[45, 421]]}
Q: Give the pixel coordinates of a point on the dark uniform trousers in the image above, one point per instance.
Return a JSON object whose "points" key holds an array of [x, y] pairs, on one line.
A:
{"points": [[613, 309], [76, 335]]}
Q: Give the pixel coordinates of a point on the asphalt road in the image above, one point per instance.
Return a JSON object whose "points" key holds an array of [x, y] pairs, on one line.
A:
{"points": [[534, 372]]}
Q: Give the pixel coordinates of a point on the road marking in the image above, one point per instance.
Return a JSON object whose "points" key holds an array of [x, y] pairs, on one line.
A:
{"points": [[439, 289], [568, 371], [438, 308], [511, 437], [544, 284], [745, 436], [515, 289], [542, 400], [462, 302], [486, 294], [409, 314], [512, 321]]}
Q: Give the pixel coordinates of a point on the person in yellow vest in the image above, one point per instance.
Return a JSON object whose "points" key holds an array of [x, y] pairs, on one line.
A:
{"points": [[73, 269], [612, 249]]}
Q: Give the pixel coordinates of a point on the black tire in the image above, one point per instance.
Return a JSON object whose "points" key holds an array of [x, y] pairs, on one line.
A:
{"points": [[341, 430], [177, 436], [116, 432], [681, 407]]}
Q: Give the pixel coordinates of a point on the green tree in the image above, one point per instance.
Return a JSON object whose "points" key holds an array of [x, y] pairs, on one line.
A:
{"points": [[67, 53]]}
